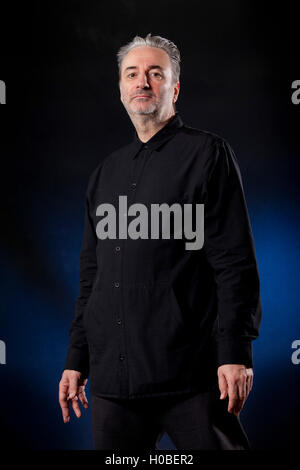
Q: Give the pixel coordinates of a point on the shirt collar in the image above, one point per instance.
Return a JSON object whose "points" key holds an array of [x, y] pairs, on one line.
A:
{"points": [[164, 134]]}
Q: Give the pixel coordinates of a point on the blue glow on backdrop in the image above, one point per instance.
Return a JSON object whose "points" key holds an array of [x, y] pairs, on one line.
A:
{"points": [[41, 311]]}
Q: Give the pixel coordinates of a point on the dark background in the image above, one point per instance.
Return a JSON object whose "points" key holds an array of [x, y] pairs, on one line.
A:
{"points": [[63, 115]]}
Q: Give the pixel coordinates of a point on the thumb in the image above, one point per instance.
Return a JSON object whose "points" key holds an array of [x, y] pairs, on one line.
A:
{"points": [[222, 386]]}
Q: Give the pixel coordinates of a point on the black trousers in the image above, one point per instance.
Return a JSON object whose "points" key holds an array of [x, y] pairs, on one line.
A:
{"points": [[196, 421]]}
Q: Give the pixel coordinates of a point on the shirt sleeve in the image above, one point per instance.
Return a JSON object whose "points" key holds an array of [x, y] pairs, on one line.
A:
{"points": [[78, 352], [229, 248]]}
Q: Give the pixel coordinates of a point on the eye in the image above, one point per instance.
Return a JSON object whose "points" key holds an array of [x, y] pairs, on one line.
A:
{"points": [[157, 73], [131, 74]]}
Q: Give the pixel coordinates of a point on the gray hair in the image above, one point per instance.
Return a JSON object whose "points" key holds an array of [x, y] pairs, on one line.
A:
{"points": [[153, 41]]}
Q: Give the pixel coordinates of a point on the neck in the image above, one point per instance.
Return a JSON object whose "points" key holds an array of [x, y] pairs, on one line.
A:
{"points": [[146, 125]]}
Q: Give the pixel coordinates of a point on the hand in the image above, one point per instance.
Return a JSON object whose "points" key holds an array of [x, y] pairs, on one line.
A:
{"points": [[236, 381], [71, 387]]}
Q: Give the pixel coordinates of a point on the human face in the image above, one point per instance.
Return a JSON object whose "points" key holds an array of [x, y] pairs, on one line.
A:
{"points": [[146, 83]]}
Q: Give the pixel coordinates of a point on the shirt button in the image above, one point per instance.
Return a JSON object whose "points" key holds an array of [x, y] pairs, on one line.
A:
{"points": [[133, 185], [116, 284], [119, 321], [121, 357], [118, 248]]}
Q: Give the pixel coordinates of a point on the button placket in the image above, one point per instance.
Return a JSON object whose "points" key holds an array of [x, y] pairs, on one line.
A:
{"points": [[139, 164], [136, 170], [117, 318]]}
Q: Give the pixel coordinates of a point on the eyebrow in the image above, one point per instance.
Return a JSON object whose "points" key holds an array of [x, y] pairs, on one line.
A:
{"points": [[149, 68]]}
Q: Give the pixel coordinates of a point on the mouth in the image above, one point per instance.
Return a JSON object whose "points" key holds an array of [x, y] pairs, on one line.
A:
{"points": [[141, 96]]}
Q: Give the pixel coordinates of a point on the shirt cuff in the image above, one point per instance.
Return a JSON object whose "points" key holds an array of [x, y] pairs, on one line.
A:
{"points": [[78, 359], [234, 351]]}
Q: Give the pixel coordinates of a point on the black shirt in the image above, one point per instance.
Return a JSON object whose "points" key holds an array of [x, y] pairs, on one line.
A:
{"points": [[152, 317]]}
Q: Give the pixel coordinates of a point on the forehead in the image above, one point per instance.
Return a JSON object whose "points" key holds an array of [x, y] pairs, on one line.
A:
{"points": [[146, 55]]}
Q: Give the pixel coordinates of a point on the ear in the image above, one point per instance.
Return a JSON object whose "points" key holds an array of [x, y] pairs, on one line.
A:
{"points": [[176, 92]]}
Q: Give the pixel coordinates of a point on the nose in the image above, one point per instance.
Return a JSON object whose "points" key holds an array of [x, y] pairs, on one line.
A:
{"points": [[142, 81]]}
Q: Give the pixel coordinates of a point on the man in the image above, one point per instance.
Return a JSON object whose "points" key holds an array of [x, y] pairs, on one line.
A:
{"points": [[164, 332]]}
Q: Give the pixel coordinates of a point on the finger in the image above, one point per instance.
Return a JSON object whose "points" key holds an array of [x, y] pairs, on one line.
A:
{"points": [[73, 388], [223, 387], [76, 407], [65, 413], [242, 395], [63, 392], [83, 382], [242, 388], [251, 382], [233, 396], [83, 398], [248, 385], [240, 405]]}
